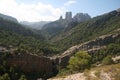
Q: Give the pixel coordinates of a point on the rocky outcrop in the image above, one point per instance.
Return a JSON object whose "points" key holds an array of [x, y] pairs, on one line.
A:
{"points": [[118, 10], [90, 47], [31, 64], [68, 16], [81, 17], [64, 24]]}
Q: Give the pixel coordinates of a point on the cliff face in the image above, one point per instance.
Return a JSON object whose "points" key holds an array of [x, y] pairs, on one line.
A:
{"points": [[81, 17], [31, 63], [90, 47]]}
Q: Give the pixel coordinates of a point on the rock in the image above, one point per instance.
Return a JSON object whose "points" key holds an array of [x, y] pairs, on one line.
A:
{"points": [[118, 10], [81, 17], [68, 16], [90, 46], [31, 64]]}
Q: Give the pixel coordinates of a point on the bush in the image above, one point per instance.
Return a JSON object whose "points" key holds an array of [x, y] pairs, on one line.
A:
{"points": [[5, 77], [23, 77], [107, 60], [80, 61]]}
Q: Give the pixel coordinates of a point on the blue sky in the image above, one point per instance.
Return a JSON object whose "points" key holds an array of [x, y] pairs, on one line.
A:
{"points": [[46, 10]]}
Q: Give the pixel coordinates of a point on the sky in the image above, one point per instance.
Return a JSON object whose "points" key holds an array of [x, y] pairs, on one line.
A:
{"points": [[50, 10]]}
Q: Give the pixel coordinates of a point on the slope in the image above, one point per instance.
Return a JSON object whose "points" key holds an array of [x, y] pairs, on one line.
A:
{"points": [[91, 29], [23, 40], [19, 29]]}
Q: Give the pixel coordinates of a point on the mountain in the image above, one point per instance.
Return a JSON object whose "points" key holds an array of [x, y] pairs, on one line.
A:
{"points": [[24, 40], [26, 51], [8, 18], [90, 29], [18, 28], [81, 17], [35, 25], [62, 25]]}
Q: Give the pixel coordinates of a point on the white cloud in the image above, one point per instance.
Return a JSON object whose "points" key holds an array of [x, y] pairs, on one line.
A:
{"points": [[30, 12], [70, 2]]}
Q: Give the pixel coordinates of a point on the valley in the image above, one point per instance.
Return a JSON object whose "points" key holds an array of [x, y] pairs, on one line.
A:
{"points": [[33, 53]]}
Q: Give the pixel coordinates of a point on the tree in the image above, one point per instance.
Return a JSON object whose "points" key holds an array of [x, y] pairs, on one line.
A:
{"points": [[107, 60], [5, 77], [23, 77], [79, 61]]}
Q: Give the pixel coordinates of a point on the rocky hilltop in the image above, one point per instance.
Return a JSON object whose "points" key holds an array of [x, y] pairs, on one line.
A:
{"points": [[62, 25]]}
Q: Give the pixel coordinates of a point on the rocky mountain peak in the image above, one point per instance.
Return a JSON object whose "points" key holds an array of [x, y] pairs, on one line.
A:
{"points": [[68, 16], [118, 10], [80, 17]]}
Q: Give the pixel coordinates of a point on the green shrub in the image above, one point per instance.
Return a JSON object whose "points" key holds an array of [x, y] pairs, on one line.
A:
{"points": [[80, 61], [107, 60]]}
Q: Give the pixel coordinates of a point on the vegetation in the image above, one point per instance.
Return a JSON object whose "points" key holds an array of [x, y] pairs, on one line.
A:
{"points": [[26, 44], [110, 71], [9, 72], [107, 60], [23, 77], [23, 40], [100, 25], [112, 49], [5, 77], [80, 61]]}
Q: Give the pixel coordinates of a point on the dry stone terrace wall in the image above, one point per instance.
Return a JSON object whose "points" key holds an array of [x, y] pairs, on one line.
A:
{"points": [[90, 47]]}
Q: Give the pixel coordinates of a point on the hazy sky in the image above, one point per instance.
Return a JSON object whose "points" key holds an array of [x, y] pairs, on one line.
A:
{"points": [[45, 10]]}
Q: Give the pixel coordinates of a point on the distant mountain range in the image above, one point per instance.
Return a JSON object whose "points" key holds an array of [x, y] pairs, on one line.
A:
{"points": [[35, 25]]}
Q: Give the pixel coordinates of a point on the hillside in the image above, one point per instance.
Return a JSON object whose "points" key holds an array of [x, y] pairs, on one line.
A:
{"points": [[8, 18], [19, 29], [64, 24], [109, 72], [97, 38], [24, 40], [91, 29]]}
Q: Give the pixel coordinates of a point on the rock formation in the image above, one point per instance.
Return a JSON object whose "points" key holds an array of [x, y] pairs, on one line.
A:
{"points": [[118, 10], [68, 16], [90, 47], [81, 17], [32, 64]]}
